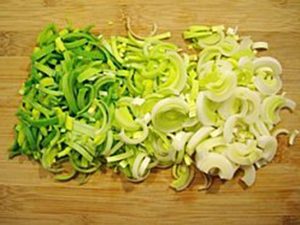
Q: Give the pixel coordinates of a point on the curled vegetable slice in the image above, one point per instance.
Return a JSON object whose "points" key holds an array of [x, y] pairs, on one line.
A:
{"points": [[293, 136], [141, 136], [271, 106], [243, 154], [216, 161], [206, 110], [183, 176], [269, 145], [249, 175], [169, 115], [199, 136], [244, 102]]}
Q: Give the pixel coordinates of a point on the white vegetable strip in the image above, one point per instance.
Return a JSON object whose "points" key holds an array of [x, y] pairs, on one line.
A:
{"points": [[200, 135], [213, 161], [279, 131], [249, 175], [293, 136], [269, 146], [260, 45]]}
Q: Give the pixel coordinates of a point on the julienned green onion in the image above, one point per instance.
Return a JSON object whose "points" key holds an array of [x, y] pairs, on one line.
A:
{"points": [[134, 103]]}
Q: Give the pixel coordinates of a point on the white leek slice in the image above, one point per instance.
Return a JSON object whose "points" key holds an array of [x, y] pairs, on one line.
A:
{"points": [[261, 128], [244, 102], [200, 135], [207, 182], [216, 161], [229, 125], [279, 131], [271, 106], [211, 143], [265, 67], [140, 165], [180, 139], [249, 175], [243, 154], [228, 46], [260, 45], [269, 145], [223, 88], [268, 87], [260, 163], [216, 132], [292, 136], [268, 62]]}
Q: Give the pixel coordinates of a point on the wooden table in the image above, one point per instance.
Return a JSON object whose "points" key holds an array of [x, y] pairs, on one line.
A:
{"points": [[28, 194]]}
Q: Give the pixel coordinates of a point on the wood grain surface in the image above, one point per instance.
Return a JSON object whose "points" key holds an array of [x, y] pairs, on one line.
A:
{"points": [[28, 194]]}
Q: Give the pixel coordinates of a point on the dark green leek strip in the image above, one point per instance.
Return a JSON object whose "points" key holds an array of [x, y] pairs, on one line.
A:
{"points": [[45, 69], [40, 53], [74, 36], [66, 177], [48, 138], [75, 44], [67, 88], [29, 137], [47, 35], [44, 122], [91, 55], [47, 112], [103, 81], [15, 150], [84, 107], [50, 92]]}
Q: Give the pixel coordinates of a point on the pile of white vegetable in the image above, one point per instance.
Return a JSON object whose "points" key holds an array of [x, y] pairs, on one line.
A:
{"points": [[234, 98]]}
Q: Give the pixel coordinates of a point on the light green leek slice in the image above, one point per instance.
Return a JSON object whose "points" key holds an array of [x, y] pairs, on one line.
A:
{"points": [[170, 114], [140, 138], [183, 175]]}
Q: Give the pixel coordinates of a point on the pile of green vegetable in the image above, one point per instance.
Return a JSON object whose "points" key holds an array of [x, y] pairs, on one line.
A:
{"points": [[133, 103]]}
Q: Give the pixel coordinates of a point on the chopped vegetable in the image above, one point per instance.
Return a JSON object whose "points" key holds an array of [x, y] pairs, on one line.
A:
{"points": [[134, 103]]}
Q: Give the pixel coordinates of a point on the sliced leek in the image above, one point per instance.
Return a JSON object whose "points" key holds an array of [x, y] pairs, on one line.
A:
{"points": [[132, 103]]}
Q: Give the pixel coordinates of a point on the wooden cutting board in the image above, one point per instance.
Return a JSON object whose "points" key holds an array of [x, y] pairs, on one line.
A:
{"points": [[28, 194]]}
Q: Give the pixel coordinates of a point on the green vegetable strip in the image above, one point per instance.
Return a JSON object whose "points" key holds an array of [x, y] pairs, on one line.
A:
{"points": [[44, 69], [87, 74], [81, 150], [67, 88]]}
